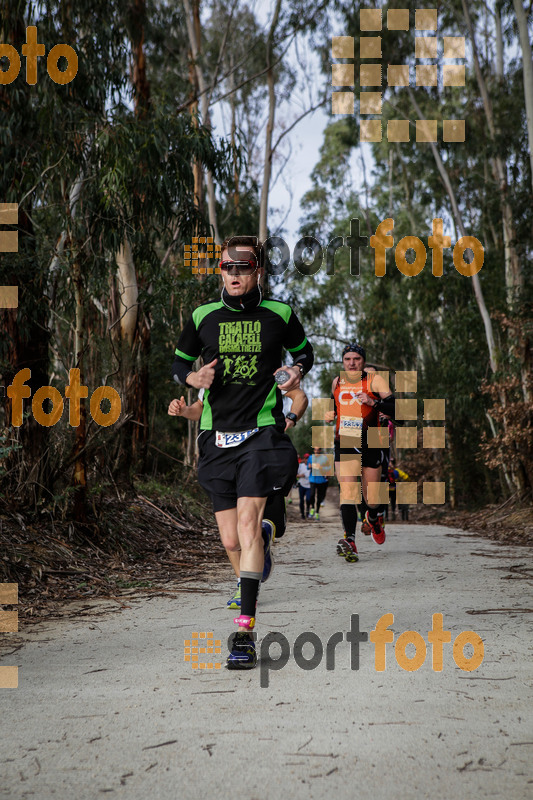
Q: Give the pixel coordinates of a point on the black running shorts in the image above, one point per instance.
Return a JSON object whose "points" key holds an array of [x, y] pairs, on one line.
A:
{"points": [[370, 457], [264, 464]]}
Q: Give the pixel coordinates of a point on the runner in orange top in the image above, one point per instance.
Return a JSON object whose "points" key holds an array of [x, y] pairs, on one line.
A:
{"points": [[359, 397]]}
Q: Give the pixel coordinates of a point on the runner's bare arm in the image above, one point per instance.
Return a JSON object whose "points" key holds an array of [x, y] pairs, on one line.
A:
{"points": [[178, 408], [299, 402]]}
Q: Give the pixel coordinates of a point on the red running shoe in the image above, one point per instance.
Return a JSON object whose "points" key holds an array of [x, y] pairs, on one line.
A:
{"points": [[376, 529], [346, 547], [365, 528]]}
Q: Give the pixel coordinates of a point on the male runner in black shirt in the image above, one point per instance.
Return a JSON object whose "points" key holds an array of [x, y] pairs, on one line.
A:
{"points": [[244, 454]]}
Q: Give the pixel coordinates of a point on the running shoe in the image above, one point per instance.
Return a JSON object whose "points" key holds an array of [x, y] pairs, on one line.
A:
{"points": [[317, 517], [346, 547], [311, 512], [235, 601], [267, 531], [376, 529], [365, 528], [242, 655]]}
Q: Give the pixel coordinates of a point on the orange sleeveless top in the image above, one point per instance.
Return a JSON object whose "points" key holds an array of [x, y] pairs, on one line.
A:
{"points": [[347, 405]]}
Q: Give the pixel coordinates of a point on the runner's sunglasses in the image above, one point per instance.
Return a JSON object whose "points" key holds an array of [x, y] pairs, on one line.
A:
{"points": [[239, 267]]}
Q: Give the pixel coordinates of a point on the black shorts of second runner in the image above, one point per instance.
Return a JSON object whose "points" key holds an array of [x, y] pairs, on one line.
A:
{"points": [[370, 457], [264, 464]]}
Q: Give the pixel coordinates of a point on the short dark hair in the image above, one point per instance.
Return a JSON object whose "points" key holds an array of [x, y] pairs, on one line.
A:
{"points": [[249, 241]]}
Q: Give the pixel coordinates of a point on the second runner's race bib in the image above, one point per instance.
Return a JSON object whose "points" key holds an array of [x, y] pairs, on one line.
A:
{"points": [[351, 428], [233, 439]]}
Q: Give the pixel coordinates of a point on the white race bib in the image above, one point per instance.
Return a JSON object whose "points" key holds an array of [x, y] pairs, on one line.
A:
{"points": [[351, 428], [233, 439]]}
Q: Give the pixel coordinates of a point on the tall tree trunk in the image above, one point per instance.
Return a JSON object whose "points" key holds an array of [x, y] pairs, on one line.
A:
{"points": [[499, 39], [24, 329], [134, 324], [513, 273], [271, 84], [192, 19], [527, 61], [80, 464], [476, 285], [233, 101]]}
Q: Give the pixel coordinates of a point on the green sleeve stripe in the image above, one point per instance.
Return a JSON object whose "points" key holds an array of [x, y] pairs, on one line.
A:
{"points": [[300, 346], [282, 309], [265, 416], [202, 311], [181, 354], [206, 422]]}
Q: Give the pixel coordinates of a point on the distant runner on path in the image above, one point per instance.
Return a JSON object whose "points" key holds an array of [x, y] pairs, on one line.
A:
{"points": [[359, 397], [244, 454], [319, 467]]}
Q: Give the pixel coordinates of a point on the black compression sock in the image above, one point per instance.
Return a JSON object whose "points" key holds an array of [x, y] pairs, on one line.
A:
{"points": [[275, 512], [249, 589], [373, 514], [349, 519]]}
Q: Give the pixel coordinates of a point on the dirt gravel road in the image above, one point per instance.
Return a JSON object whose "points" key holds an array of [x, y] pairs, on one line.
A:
{"points": [[107, 705]]}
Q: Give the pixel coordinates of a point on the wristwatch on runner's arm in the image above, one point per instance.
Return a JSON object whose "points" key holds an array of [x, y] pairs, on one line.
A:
{"points": [[292, 416]]}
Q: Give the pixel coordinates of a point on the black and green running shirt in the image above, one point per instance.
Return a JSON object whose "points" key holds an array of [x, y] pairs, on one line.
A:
{"points": [[248, 344]]}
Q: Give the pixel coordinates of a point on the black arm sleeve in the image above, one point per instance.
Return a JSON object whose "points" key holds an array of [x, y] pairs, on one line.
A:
{"points": [[188, 349], [305, 357], [297, 345], [180, 369], [387, 406]]}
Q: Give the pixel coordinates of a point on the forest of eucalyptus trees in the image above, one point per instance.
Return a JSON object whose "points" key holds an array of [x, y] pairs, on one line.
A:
{"points": [[116, 171]]}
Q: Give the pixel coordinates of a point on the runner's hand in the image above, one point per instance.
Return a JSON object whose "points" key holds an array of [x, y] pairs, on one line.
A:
{"points": [[177, 407], [329, 416], [289, 424], [204, 377], [294, 382], [365, 399]]}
